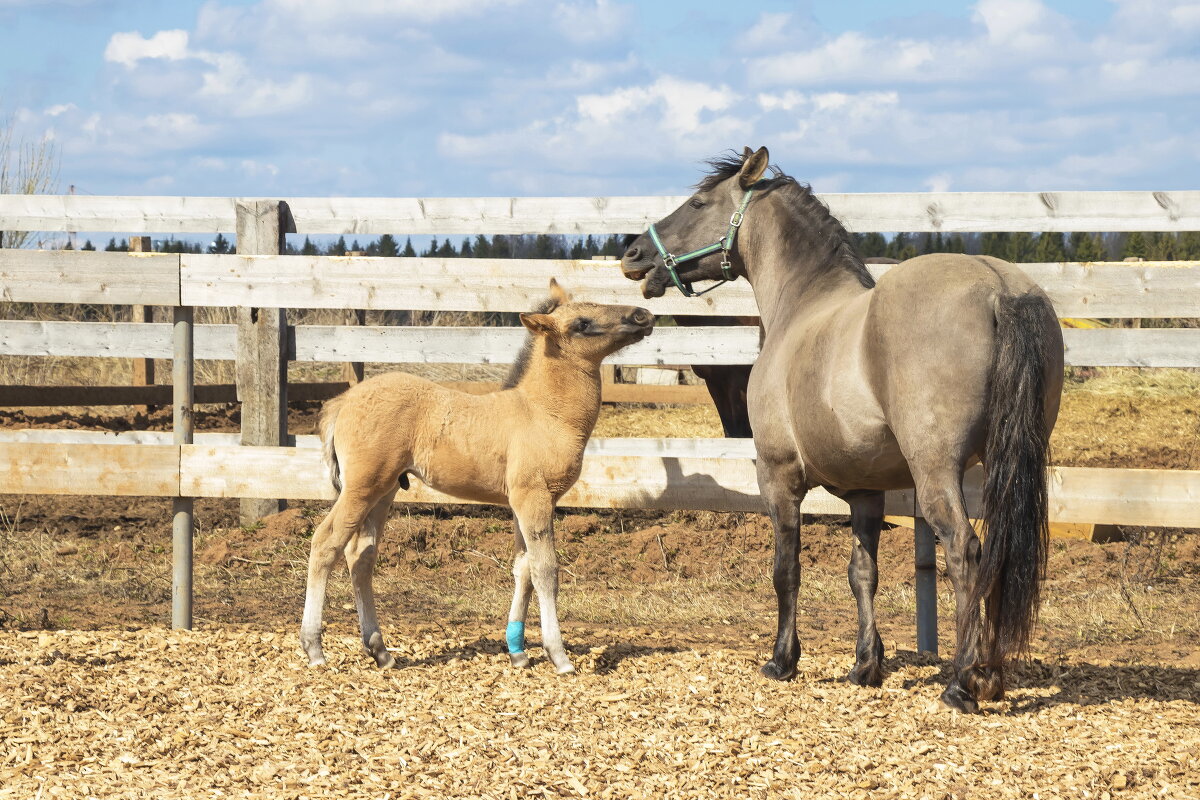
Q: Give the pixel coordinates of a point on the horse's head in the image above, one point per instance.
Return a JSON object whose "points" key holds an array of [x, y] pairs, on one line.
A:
{"points": [[698, 236], [588, 330]]}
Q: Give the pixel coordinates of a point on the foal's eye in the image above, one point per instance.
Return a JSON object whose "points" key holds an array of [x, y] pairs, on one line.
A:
{"points": [[696, 202], [581, 325]]}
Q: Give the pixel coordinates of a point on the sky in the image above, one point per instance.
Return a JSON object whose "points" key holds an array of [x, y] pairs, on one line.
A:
{"points": [[400, 98]]}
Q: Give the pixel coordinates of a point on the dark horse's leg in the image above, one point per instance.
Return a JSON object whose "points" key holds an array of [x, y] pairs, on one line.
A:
{"points": [[783, 493], [866, 520], [727, 387], [940, 495]]}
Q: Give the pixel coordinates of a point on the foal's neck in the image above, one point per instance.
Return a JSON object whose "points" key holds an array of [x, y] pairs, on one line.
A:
{"points": [[564, 386]]}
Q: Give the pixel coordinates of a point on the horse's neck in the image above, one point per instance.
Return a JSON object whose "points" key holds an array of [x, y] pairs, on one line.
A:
{"points": [[792, 279], [565, 388]]}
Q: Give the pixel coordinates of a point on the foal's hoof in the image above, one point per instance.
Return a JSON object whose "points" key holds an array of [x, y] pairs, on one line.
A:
{"points": [[866, 675], [955, 697], [317, 661], [777, 673], [568, 669], [519, 660]]}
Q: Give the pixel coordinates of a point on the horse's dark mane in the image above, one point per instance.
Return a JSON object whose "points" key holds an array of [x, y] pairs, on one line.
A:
{"points": [[521, 365], [818, 225]]}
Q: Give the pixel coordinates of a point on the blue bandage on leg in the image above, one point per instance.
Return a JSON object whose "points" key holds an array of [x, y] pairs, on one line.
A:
{"points": [[515, 635]]}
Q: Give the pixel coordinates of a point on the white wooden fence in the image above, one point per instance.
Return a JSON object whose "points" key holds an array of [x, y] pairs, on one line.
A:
{"points": [[713, 474]]}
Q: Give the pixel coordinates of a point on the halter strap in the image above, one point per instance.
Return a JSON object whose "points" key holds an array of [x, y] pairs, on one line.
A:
{"points": [[724, 245]]}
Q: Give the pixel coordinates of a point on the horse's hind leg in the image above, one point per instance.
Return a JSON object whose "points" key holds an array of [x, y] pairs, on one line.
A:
{"points": [[535, 515], [866, 520], [941, 499], [522, 589], [361, 552], [330, 539]]}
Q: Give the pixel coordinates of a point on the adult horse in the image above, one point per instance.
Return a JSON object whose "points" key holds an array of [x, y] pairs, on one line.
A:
{"points": [[862, 387]]}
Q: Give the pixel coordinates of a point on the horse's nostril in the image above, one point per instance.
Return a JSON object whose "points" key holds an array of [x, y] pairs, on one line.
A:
{"points": [[633, 254], [642, 317]]}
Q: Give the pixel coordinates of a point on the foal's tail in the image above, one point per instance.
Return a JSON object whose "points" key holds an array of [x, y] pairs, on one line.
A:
{"points": [[1013, 563], [328, 417]]}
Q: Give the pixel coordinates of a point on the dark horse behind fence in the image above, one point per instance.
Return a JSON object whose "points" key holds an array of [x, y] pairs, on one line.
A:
{"points": [[862, 387]]}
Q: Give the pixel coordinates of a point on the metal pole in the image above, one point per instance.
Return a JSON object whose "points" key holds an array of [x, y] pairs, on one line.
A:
{"points": [[182, 374], [925, 550]]}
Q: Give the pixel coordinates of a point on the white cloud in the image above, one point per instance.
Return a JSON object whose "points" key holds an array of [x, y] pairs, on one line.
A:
{"points": [[592, 20], [130, 48]]}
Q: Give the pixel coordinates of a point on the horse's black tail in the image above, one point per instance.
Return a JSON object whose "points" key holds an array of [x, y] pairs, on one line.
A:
{"points": [[1015, 507]]}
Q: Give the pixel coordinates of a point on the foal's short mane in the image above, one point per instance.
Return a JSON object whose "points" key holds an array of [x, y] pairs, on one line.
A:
{"points": [[521, 365], [812, 218]]}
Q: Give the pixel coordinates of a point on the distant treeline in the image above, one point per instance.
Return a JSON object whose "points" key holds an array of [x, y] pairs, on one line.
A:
{"points": [[1016, 247]]}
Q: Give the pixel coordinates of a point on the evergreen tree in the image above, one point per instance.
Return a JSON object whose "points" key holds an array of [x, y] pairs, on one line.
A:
{"points": [[1021, 247], [220, 245], [589, 247], [927, 244], [465, 250], [501, 248], [543, 247], [897, 245], [870, 245], [387, 246], [409, 251], [356, 247], [1050, 248], [956, 244], [577, 250], [1135, 246], [309, 249], [1163, 247], [1189, 246], [1085, 247], [995, 243], [87, 245], [447, 250], [612, 246], [433, 246], [338, 248], [483, 248]]}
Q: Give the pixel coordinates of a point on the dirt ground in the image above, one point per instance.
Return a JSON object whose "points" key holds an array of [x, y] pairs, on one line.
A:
{"points": [[667, 616]]}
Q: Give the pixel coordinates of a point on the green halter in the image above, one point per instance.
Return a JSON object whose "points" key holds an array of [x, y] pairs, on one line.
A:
{"points": [[724, 245]]}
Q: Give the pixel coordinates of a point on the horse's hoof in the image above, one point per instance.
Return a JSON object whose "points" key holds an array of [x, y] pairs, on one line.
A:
{"points": [[866, 675], [385, 661], [569, 669], [777, 673], [956, 698], [519, 660], [317, 661]]}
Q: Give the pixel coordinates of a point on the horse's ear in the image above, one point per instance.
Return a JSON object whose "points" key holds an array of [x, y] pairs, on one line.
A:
{"points": [[539, 324], [753, 167], [746, 153], [557, 293]]}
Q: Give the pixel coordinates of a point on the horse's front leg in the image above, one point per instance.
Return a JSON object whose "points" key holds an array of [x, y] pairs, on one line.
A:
{"points": [[866, 520], [783, 492], [514, 635], [535, 517]]}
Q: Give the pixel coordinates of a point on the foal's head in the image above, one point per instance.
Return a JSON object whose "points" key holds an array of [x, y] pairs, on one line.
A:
{"points": [[587, 331]]}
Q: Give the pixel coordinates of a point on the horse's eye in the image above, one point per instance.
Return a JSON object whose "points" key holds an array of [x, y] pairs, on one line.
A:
{"points": [[696, 202], [581, 325]]}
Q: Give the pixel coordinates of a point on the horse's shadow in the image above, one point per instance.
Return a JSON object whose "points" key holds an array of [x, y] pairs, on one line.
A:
{"points": [[1080, 684], [606, 661]]}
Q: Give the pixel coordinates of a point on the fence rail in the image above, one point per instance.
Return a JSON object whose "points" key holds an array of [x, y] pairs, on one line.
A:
{"points": [[622, 473]]}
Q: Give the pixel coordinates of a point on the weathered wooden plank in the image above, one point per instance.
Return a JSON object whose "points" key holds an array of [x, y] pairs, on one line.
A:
{"points": [[262, 347], [87, 213], [454, 345], [74, 276], [1148, 289], [100, 469], [1141, 347], [1125, 496], [111, 339], [911, 211]]}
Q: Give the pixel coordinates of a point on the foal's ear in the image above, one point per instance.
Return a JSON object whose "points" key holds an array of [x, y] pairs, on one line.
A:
{"points": [[753, 167], [540, 324], [558, 294]]}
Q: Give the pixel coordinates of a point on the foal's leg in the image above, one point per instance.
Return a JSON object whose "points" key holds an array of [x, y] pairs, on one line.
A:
{"points": [[780, 489], [333, 534], [940, 494], [361, 552], [535, 516], [523, 588], [866, 519]]}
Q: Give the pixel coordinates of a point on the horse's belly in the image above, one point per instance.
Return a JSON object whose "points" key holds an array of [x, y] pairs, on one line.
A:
{"points": [[464, 477], [852, 458]]}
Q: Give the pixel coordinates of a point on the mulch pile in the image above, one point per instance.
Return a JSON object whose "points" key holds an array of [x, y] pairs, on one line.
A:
{"points": [[234, 712]]}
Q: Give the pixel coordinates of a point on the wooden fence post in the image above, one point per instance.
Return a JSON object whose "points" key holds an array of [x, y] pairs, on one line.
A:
{"points": [[262, 347], [183, 380], [925, 552], [143, 368]]}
